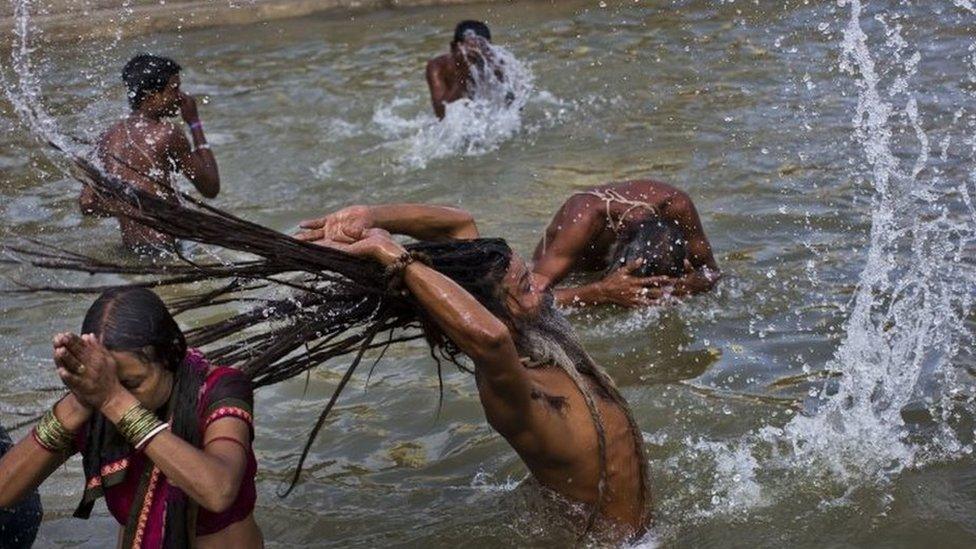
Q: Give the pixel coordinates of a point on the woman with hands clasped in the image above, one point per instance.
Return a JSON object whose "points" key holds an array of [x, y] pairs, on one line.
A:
{"points": [[164, 436]]}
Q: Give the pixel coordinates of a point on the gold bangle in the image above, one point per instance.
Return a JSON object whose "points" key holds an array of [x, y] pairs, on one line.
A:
{"points": [[136, 423], [52, 435]]}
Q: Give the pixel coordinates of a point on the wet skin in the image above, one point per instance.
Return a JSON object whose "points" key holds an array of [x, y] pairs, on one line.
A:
{"points": [[449, 75], [581, 235], [538, 409], [556, 437], [145, 150], [112, 382]]}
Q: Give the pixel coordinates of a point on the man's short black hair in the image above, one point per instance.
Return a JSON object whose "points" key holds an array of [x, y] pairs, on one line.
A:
{"points": [[476, 27], [145, 74], [660, 244]]}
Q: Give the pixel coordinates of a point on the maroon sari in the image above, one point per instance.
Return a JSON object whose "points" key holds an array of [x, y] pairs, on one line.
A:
{"points": [[137, 492]]}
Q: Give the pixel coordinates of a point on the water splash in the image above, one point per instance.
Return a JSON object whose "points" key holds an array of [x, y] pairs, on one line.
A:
{"points": [[23, 88], [471, 126], [909, 311], [908, 317]]}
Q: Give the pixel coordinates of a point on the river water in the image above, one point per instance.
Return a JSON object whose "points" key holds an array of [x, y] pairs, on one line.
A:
{"points": [[821, 396]]}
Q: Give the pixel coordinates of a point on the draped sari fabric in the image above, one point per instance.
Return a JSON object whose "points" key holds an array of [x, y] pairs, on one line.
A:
{"points": [[137, 493]]}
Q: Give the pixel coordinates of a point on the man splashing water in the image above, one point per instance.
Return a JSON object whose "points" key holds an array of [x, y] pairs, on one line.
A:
{"points": [[470, 67]]}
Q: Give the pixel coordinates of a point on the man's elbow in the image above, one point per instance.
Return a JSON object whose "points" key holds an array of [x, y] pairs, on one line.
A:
{"points": [[491, 339], [466, 226]]}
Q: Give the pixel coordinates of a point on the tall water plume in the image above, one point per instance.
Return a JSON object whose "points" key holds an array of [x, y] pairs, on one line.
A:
{"points": [[908, 316]]}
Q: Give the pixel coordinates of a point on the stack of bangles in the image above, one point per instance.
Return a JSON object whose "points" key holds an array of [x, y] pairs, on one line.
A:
{"points": [[139, 425], [52, 435]]}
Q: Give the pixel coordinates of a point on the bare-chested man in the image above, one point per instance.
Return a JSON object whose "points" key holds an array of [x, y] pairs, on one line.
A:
{"points": [[645, 236], [538, 387], [145, 150], [449, 75]]}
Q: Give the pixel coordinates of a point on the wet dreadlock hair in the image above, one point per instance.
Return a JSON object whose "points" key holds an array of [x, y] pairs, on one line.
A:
{"points": [[339, 304], [660, 244], [145, 74], [136, 320]]}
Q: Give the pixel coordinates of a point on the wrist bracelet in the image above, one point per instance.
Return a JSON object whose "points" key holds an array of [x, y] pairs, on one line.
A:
{"points": [[201, 146], [149, 436], [51, 434], [137, 425], [394, 271], [196, 125]]}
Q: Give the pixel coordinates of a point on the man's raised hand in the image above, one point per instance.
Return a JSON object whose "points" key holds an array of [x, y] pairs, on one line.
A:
{"points": [[344, 226]]}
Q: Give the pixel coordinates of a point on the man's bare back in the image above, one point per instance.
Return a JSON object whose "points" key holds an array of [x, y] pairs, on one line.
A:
{"points": [[138, 151], [590, 223]]}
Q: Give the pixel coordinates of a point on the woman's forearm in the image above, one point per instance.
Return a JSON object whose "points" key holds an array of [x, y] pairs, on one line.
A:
{"points": [[28, 464], [211, 478]]}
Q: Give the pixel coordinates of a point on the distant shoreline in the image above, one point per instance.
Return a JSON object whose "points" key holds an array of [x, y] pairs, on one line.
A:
{"points": [[64, 20]]}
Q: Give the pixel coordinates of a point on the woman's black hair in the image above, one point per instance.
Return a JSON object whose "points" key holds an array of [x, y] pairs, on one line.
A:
{"points": [[660, 244], [476, 27], [137, 321], [145, 74]]}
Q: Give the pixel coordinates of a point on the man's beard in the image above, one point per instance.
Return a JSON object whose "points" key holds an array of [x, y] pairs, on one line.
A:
{"points": [[549, 338]]}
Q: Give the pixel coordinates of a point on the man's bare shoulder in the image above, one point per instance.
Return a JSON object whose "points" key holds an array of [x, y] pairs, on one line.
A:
{"points": [[440, 63]]}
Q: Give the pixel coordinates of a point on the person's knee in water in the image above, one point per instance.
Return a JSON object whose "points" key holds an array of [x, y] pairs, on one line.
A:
{"points": [[144, 149]]}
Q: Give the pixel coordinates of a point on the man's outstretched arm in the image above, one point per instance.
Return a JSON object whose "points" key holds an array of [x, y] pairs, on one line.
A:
{"points": [[467, 323], [419, 221]]}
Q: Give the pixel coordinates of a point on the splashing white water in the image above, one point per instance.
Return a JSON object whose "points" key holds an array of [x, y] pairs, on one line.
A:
{"points": [[471, 126], [22, 88], [913, 295], [908, 316]]}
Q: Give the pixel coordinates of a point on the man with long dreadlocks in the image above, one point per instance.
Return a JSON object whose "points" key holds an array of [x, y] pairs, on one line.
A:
{"points": [[540, 390], [645, 236], [558, 409], [144, 149]]}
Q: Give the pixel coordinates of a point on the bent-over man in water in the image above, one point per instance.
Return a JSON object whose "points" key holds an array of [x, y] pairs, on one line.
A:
{"points": [[645, 236], [555, 406], [449, 76], [144, 149]]}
